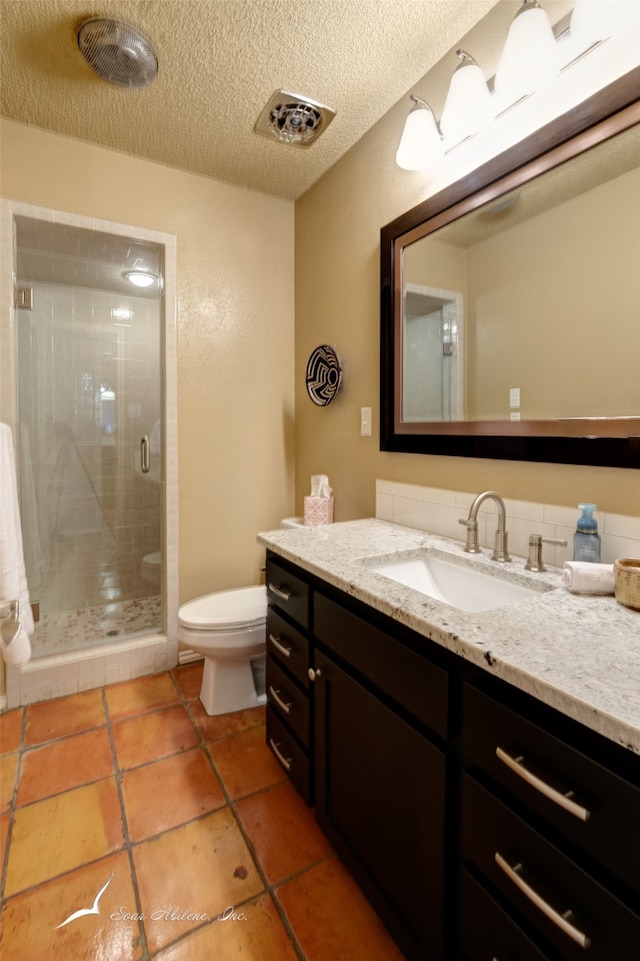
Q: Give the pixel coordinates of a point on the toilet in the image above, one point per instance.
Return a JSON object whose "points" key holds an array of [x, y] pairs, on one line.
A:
{"points": [[229, 629]]}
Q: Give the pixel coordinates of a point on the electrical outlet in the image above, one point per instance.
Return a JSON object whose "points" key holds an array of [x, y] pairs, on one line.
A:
{"points": [[514, 397]]}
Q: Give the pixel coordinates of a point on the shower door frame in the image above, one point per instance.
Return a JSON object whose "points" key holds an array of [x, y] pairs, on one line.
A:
{"points": [[60, 674]]}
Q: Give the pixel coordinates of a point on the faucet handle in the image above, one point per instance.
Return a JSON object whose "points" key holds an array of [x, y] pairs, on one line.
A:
{"points": [[471, 547], [534, 561]]}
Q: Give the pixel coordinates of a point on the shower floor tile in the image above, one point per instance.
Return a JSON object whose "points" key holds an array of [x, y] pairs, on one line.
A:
{"points": [[199, 845], [59, 632]]}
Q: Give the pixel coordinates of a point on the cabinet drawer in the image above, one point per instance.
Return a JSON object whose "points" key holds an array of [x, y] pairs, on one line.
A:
{"points": [[290, 647], [288, 592], [570, 909], [508, 748], [289, 754], [288, 701], [486, 930], [414, 682]]}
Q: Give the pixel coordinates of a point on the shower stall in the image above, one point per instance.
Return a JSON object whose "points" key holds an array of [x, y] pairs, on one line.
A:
{"points": [[92, 397]]}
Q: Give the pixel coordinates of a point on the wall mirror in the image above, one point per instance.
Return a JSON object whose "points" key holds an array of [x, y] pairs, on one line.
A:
{"points": [[510, 301]]}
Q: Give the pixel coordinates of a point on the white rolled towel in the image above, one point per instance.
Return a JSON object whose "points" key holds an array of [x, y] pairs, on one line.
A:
{"points": [[580, 577]]}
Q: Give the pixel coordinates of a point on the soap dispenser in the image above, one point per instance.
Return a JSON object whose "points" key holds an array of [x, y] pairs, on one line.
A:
{"points": [[586, 540]]}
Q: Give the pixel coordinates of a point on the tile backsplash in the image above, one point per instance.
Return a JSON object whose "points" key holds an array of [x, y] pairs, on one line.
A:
{"points": [[438, 510]]}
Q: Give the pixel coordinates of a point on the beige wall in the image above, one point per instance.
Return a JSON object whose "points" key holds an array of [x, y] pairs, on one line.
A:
{"points": [[338, 224], [235, 334], [554, 309]]}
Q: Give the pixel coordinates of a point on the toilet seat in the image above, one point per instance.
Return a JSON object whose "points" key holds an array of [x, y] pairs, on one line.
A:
{"points": [[237, 609]]}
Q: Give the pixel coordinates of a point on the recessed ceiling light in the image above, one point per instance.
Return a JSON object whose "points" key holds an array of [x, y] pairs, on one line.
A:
{"points": [[139, 277]]}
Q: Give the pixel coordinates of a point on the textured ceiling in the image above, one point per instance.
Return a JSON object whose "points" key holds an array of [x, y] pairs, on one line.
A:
{"points": [[219, 63]]}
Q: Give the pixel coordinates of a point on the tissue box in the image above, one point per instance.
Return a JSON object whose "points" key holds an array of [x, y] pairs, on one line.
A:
{"points": [[318, 510]]}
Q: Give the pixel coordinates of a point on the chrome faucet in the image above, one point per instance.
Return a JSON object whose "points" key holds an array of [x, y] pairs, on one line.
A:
{"points": [[500, 552]]}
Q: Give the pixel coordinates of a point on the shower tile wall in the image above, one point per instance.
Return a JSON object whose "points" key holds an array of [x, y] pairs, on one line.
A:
{"points": [[89, 514]]}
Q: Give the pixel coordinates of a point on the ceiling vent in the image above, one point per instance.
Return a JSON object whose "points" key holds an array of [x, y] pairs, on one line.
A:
{"points": [[293, 119], [118, 53]]}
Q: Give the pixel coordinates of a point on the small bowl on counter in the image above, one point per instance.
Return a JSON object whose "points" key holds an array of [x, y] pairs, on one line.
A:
{"points": [[626, 573]]}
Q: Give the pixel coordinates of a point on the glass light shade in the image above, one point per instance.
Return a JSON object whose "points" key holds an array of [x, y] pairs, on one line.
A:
{"points": [[530, 56], [420, 143], [468, 107], [140, 278], [595, 20]]}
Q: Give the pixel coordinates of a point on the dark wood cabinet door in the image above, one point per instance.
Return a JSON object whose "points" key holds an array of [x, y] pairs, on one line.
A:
{"points": [[380, 799]]}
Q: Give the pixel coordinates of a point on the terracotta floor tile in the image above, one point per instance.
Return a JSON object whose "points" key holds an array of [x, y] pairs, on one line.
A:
{"points": [[189, 679], [204, 866], [255, 934], [141, 695], [10, 730], [140, 740], [8, 769], [65, 764], [64, 715], [222, 725], [62, 833], [245, 763], [30, 920], [283, 832], [332, 919], [162, 795]]}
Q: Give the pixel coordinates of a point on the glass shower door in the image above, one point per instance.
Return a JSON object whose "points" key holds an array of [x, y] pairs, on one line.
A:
{"points": [[89, 411]]}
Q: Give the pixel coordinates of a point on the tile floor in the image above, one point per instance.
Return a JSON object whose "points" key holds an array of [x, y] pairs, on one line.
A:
{"points": [[178, 829]]}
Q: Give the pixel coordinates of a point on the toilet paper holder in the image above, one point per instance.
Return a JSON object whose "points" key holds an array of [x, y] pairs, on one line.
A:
{"points": [[9, 620]]}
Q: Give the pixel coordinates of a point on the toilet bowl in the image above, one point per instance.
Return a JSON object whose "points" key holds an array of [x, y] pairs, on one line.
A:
{"points": [[229, 629]]}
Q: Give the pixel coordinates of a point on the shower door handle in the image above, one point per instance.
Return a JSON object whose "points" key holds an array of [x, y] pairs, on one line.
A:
{"points": [[145, 456]]}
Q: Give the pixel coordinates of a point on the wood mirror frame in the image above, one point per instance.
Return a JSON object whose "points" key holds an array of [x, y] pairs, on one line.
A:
{"points": [[617, 441]]}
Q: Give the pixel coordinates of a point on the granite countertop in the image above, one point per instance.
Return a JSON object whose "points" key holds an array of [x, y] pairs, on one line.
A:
{"points": [[577, 653]]}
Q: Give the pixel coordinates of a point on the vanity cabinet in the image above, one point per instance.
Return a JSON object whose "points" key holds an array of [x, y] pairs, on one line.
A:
{"points": [[287, 679], [380, 771], [481, 824], [550, 836]]}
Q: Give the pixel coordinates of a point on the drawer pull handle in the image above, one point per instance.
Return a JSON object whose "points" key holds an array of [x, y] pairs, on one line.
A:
{"points": [[279, 592], [280, 647], [285, 706], [515, 764], [286, 762], [513, 873]]}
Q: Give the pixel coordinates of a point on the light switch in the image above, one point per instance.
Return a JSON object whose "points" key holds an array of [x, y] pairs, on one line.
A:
{"points": [[365, 422], [514, 397]]}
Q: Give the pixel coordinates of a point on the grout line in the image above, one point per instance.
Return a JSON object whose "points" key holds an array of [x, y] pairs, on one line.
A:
{"points": [[128, 845]]}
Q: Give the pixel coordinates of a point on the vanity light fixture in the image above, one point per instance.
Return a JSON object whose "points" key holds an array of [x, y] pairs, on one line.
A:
{"points": [[532, 58], [593, 21], [468, 107], [140, 277], [421, 140]]}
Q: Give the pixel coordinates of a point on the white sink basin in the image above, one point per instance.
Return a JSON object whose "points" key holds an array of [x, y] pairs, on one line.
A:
{"points": [[456, 584]]}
